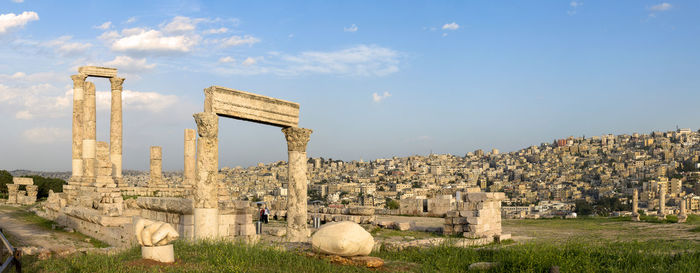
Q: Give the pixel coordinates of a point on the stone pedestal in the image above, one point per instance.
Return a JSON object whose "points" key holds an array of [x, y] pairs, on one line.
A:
{"points": [[190, 157], [297, 229], [163, 254], [206, 223], [635, 206], [156, 167], [206, 183], [12, 190]]}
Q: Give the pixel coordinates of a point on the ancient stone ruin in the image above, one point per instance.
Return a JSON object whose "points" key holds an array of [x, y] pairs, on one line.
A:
{"points": [[93, 204], [477, 215], [25, 197]]}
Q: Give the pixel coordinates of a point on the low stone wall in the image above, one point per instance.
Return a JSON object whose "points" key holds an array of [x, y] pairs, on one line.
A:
{"points": [[156, 191], [116, 231]]}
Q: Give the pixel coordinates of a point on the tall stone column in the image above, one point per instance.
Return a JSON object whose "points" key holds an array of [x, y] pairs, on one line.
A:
{"points": [[635, 206], [662, 201], [77, 149], [89, 133], [190, 157], [206, 204], [115, 128], [297, 138], [682, 216], [156, 166]]}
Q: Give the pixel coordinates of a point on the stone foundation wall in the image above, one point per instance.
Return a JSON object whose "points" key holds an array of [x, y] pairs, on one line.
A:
{"points": [[156, 191], [478, 215]]}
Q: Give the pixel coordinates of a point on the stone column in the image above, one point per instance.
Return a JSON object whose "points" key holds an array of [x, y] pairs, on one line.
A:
{"points": [[12, 190], [297, 138], [635, 206], [156, 166], [190, 157], [115, 127], [78, 96], [89, 133], [682, 216], [206, 205], [662, 201]]}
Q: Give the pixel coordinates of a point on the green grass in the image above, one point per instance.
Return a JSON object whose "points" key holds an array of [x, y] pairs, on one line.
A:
{"points": [[578, 256], [388, 233]]}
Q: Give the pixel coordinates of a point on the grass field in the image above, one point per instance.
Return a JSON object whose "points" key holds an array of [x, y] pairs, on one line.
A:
{"points": [[589, 248]]}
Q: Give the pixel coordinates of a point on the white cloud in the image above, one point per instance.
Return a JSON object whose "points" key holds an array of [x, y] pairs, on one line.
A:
{"points": [[573, 6], [104, 25], [351, 28], [131, 20], [249, 61], [45, 135], [181, 24], [18, 1], [143, 40], [450, 26], [380, 97], [227, 59], [64, 46], [238, 40], [216, 30], [11, 20], [147, 101], [661, 7], [130, 64], [360, 60]]}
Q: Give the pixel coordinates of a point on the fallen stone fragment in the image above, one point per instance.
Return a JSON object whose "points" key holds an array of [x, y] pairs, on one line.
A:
{"points": [[482, 266]]}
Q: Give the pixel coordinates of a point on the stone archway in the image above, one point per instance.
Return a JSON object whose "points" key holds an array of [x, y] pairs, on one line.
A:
{"points": [[230, 103]]}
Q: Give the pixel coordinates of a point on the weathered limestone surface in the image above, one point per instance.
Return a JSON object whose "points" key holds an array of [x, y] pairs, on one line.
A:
{"points": [[252, 107], [115, 127], [343, 239], [153, 233], [635, 205], [478, 215], [166, 204], [682, 216], [206, 186], [156, 166], [89, 132], [23, 180], [32, 191], [206, 215], [78, 96], [12, 190], [96, 71], [297, 138], [662, 202], [111, 202], [190, 157]]}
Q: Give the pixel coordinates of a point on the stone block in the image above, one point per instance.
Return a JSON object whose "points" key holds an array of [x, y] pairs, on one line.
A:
{"points": [[247, 106], [23, 180], [96, 71], [403, 226]]}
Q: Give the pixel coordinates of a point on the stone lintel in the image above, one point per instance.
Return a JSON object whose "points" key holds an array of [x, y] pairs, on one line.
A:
{"points": [[97, 71], [251, 107], [23, 180]]}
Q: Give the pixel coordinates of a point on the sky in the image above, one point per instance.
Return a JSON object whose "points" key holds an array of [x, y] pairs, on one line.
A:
{"points": [[374, 79]]}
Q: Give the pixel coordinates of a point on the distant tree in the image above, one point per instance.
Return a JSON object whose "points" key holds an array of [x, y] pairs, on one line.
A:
{"points": [[345, 202], [416, 185], [391, 204], [583, 207], [5, 178]]}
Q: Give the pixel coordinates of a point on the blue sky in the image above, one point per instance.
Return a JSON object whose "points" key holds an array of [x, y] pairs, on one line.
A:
{"points": [[374, 78]]}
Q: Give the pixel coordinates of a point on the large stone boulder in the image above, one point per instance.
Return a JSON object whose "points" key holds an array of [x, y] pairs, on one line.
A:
{"points": [[342, 239]]}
